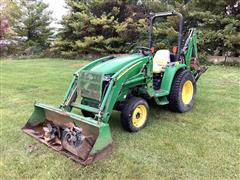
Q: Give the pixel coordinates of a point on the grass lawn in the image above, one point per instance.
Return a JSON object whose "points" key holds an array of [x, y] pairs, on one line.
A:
{"points": [[201, 144]]}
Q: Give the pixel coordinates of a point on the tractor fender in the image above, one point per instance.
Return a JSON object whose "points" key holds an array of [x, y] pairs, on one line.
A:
{"points": [[169, 75]]}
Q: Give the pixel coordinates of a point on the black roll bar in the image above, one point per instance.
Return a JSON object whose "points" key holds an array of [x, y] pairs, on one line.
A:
{"points": [[153, 16]]}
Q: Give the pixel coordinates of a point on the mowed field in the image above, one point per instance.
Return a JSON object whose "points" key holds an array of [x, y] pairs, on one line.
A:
{"points": [[201, 144]]}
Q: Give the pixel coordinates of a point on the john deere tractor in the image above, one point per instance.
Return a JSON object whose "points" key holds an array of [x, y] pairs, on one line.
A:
{"points": [[118, 83]]}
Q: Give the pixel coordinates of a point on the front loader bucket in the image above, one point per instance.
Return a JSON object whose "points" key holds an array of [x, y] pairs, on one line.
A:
{"points": [[82, 139]]}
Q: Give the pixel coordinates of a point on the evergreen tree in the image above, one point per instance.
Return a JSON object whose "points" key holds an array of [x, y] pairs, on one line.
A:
{"points": [[100, 26], [33, 27], [218, 23], [115, 26]]}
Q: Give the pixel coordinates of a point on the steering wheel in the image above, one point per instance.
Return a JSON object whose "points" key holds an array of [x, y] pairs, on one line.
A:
{"points": [[143, 50]]}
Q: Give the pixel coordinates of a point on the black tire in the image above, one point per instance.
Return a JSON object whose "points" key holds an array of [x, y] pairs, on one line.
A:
{"points": [[176, 97], [87, 114], [141, 114]]}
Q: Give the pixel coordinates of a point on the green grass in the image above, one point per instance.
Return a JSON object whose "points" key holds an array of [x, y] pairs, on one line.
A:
{"points": [[201, 144]]}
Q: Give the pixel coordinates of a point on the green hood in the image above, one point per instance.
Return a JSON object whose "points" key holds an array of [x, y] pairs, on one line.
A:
{"points": [[114, 65]]}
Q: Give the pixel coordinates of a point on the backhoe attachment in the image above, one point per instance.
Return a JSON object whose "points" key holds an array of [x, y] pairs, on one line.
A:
{"points": [[189, 51]]}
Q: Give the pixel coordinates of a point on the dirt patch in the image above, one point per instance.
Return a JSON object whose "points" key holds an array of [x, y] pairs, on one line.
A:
{"points": [[31, 148]]}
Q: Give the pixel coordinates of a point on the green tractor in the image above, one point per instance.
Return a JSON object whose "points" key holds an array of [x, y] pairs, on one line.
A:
{"points": [[118, 83]]}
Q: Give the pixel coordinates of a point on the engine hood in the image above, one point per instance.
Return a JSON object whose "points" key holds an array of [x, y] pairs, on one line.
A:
{"points": [[115, 64]]}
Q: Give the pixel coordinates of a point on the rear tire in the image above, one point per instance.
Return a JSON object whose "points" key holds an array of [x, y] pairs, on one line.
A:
{"points": [[135, 114], [183, 92]]}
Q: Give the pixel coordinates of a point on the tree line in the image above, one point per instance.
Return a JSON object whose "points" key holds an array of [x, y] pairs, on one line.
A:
{"points": [[116, 26]]}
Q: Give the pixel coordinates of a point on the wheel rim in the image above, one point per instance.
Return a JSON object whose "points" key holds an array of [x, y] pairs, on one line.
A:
{"points": [[139, 115], [187, 92]]}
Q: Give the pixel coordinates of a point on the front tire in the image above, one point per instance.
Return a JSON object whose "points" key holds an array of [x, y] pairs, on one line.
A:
{"points": [[183, 92], [135, 114]]}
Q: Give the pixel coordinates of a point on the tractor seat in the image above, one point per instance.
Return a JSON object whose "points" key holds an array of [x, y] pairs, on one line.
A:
{"points": [[160, 60]]}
